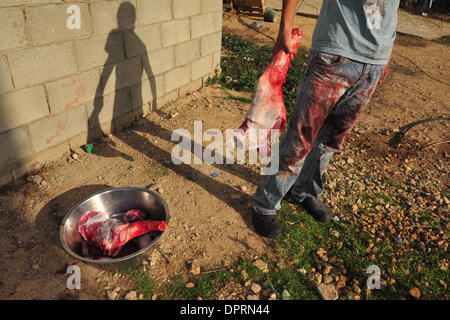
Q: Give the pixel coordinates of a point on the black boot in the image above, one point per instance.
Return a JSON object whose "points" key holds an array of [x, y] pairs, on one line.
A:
{"points": [[317, 209], [267, 225]]}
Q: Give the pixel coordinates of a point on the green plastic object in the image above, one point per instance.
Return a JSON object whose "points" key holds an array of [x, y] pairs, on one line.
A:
{"points": [[89, 148]]}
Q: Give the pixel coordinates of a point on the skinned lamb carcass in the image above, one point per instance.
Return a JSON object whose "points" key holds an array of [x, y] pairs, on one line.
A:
{"points": [[110, 234], [267, 110]]}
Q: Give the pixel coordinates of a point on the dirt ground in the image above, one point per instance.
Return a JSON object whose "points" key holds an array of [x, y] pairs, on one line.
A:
{"points": [[210, 216]]}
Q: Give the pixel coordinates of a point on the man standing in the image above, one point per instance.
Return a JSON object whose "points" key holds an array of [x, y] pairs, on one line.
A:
{"points": [[351, 47]]}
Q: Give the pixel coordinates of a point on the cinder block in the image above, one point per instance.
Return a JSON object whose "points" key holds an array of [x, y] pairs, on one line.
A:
{"points": [[69, 92], [143, 39], [211, 5], [104, 109], [176, 31], [12, 3], [152, 11], [106, 17], [193, 86], [147, 91], [22, 106], [161, 60], [187, 52], [5, 76], [12, 28], [202, 67], [48, 23], [16, 3], [42, 64], [52, 153], [25, 166], [77, 141], [183, 9], [218, 21], [15, 146], [100, 50], [177, 78], [54, 130], [202, 25], [123, 74], [211, 43]]}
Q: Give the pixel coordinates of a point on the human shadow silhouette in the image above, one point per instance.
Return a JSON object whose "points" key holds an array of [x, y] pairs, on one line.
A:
{"points": [[127, 54]]}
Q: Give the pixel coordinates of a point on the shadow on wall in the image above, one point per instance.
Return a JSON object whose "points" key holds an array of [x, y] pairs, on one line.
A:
{"points": [[127, 54]]}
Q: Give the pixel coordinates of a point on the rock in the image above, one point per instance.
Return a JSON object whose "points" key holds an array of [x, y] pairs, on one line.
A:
{"points": [[244, 275], [252, 297], [327, 279], [270, 15], [415, 292], [132, 295], [317, 278], [302, 270], [195, 269], [334, 233], [327, 270], [322, 253], [74, 156], [256, 288], [190, 285], [111, 295], [340, 284], [257, 24], [350, 161], [327, 291], [273, 296], [244, 188], [35, 179], [261, 265]]}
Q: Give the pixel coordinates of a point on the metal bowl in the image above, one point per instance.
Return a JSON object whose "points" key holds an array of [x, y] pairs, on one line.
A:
{"points": [[113, 201]]}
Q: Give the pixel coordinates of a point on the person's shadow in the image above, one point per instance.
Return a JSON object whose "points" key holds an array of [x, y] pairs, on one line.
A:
{"points": [[127, 54]]}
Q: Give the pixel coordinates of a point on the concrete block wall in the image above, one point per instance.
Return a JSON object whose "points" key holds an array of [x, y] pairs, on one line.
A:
{"points": [[61, 87]]}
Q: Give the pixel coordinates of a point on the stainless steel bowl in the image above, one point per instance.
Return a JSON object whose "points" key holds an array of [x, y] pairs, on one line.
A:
{"points": [[114, 201]]}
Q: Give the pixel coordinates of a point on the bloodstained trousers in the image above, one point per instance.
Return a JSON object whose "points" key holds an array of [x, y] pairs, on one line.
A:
{"points": [[332, 94]]}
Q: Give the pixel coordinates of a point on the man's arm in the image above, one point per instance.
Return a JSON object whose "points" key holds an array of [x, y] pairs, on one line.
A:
{"points": [[286, 25]]}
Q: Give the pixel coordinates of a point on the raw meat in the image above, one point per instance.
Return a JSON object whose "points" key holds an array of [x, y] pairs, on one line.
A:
{"points": [[267, 110], [110, 234]]}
